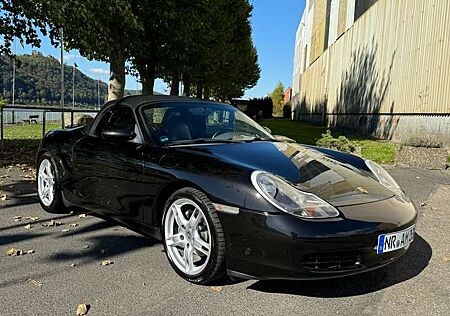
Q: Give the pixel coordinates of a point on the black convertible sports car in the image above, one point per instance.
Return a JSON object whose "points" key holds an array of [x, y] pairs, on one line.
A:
{"points": [[223, 194]]}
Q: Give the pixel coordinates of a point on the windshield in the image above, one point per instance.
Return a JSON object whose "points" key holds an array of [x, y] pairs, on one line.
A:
{"points": [[190, 122]]}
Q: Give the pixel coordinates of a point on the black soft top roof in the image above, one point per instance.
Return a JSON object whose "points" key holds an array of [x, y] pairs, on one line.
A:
{"points": [[137, 100]]}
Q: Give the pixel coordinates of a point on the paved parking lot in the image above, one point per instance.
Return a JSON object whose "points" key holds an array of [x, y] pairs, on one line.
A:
{"points": [[65, 269]]}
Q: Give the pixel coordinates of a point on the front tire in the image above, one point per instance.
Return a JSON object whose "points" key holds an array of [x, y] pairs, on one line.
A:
{"points": [[193, 237], [49, 186]]}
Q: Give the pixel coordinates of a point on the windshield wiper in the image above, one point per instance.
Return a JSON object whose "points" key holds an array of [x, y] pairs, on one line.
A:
{"points": [[261, 139], [203, 141]]}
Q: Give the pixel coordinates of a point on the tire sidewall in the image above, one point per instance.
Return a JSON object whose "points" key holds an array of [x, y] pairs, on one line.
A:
{"points": [[56, 206], [209, 269]]}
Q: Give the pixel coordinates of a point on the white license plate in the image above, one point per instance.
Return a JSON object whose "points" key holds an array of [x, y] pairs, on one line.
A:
{"points": [[397, 240]]}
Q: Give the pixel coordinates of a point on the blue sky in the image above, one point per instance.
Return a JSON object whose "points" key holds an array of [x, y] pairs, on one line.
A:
{"points": [[274, 25]]}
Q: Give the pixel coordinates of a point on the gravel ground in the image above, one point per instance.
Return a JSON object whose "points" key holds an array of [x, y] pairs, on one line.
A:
{"points": [[141, 282]]}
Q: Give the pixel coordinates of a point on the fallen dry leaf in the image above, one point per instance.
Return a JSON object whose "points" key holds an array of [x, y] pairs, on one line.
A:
{"points": [[362, 190], [82, 309], [73, 225], [216, 288], [28, 226], [106, 262], [34, 282], [65, 230], [52, 223], [14, 252]]}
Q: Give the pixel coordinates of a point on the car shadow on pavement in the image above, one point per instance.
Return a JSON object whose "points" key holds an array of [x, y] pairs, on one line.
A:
{"points": [[102, 245], [405, 268], [19, 193]]}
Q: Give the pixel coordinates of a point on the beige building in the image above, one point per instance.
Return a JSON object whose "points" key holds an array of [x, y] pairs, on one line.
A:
{"points": [[375, 66], [322, 23]]}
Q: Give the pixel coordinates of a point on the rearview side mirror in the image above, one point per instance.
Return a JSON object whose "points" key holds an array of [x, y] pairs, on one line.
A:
{"points": [[119, 134]]}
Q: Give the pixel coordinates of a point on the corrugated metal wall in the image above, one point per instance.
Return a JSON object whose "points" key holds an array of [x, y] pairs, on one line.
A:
{"points": [[394, 59]]}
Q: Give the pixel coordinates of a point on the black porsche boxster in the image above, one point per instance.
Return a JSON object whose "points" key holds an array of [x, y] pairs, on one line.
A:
{"points": [[223, 194]]}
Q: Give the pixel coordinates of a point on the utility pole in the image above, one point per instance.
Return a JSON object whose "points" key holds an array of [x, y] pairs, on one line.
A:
{"points": [[14, 75], [62, 76], [73, 85], [98, 92]]}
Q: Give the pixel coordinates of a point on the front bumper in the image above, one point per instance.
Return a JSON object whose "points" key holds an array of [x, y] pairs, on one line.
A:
{"points": [[281, 246]]}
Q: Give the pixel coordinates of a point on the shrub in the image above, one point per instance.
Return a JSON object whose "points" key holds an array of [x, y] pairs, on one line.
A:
{"points": [[422, 138], [341, 143], [85, 119]]}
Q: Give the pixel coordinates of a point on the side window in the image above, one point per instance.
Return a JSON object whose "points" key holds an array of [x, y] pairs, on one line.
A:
{"points": [[117, 118]]}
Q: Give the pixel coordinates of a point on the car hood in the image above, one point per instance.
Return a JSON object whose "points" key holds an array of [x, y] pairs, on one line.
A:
{"points": [[338, 178]]}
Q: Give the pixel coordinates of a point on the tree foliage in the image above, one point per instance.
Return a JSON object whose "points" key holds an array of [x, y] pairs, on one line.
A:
{"points": [[22, 20], [277, 96], [206, 44]]}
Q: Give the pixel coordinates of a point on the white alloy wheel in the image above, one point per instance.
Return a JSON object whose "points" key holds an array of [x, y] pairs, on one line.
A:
{"points": [[187, 236], [46, 182]]}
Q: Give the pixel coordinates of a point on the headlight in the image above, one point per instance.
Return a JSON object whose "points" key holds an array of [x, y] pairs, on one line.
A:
{"points": [[285, 197], [384, 178]]}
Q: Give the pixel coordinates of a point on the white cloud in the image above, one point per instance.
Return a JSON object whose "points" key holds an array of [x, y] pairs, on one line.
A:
{"points": [[68, 57], [99, 71]]}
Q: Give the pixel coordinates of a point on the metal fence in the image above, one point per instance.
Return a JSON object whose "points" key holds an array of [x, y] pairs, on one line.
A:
{"points": [[14, 115]]}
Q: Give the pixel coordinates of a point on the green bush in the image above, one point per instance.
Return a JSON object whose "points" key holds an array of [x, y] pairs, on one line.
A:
{"points": [[422, 138], [341, 143]]}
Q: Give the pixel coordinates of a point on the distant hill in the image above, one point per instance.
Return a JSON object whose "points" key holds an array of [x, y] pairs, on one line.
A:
{"points": [[38, 81]]}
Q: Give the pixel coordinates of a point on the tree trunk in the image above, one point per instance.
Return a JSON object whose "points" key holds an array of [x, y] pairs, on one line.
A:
{"points": [[207, 93], [175, 85], [147, 72], [147, 85], [199, 90], [116, 84], [187, 85]]}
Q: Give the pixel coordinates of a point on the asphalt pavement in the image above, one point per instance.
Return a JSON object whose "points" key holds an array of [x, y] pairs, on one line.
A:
{"points": [[64, 270]]}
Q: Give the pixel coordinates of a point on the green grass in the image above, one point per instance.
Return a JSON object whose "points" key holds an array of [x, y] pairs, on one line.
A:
{"points": [[21, 143], [304, 133], [28, 131]]}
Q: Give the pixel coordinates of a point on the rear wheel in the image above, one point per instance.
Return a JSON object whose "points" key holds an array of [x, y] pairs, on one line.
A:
{"points": [[48, 186], [193, 236]]}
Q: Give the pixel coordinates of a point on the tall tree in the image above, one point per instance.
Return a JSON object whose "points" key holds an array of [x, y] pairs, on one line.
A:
{"points": [[99, 29], [230, 62], [277, 97]]}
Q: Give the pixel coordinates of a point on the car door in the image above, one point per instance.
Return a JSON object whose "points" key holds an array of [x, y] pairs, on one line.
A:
{"points": [[110, 170]]}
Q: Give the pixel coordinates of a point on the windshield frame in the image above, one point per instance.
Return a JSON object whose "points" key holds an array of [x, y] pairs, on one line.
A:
{"points": [[163, 103]]}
